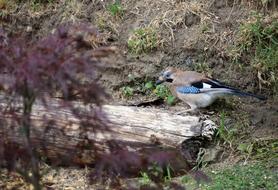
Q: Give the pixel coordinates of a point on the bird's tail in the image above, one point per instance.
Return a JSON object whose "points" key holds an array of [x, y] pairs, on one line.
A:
{"points": [[240, 93], [232, 91]]}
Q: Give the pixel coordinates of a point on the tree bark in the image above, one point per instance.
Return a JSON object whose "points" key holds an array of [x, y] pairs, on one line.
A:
{"points": [[57, 133]]}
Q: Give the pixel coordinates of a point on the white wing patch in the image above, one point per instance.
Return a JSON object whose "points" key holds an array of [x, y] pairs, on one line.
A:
{"points": [[205, 85]]}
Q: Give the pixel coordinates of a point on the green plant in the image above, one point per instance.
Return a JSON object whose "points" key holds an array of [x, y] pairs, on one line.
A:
{"points": [[144, 179], [149, 85], [247, 177], [200, 159], [155, 170], [149, 89], [224, 134], [145, 87], [39, 4], [170, 100], [239, 139], [137, 87], [265, 150], [257, 40], [143, 40], [246, 149], [168, 176], [127, 91], [163, 92], [116, 8]]}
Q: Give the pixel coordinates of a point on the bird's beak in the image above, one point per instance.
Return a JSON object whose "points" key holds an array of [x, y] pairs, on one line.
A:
{"points": [[160, 80]]}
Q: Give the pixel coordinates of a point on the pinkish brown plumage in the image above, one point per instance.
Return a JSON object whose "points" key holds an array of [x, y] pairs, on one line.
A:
{"points": [[196, 89]]}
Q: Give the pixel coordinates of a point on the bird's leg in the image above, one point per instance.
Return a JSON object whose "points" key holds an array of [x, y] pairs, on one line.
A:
{"points": [[193, 109]]}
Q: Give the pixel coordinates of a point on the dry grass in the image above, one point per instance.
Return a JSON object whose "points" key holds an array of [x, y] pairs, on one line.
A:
{"points": [[107, 24], [257, 43], [9, 181], [143, 40], [163, 16], [3, 4], [260, 4], [166, 16], [73, 10], [174, 15], [53, 178]]}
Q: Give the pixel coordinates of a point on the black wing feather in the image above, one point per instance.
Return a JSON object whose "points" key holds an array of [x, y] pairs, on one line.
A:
{"points": [[212, 82], [216, 84]]}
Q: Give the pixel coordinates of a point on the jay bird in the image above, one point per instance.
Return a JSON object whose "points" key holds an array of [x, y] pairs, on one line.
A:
{"points": [[196, 89]]}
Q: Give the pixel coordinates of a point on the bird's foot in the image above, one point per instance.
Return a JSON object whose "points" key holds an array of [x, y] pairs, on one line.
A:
{"points": [[210, 112], [188, 111]]}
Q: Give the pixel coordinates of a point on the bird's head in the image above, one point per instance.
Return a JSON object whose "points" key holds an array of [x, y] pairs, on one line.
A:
{"points": [[166, 76]]}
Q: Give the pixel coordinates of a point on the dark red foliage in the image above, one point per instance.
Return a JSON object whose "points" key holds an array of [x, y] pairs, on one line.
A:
{"points": [[3, 38], [153, 160], [61, 63]]}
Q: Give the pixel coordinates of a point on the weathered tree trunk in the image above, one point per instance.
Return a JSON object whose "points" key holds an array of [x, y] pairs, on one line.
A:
{"points": [[58, 133]]}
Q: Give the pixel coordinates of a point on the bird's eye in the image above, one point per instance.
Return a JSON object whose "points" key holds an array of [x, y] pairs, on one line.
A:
{"points": [[167, 75]]}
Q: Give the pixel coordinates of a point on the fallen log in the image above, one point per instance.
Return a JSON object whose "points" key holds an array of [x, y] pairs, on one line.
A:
{"points": [[57, 133]]}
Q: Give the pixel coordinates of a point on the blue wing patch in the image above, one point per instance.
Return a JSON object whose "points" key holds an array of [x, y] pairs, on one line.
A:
{"points": [[188, 90]]}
